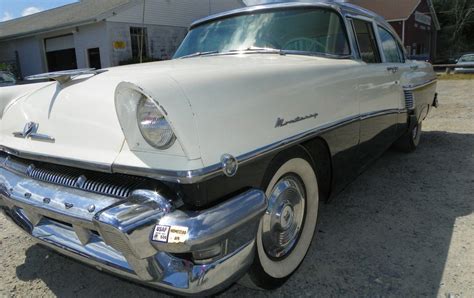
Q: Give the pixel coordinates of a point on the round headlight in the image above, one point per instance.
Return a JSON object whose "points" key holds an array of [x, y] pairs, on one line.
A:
{"points": [[153, 125]]}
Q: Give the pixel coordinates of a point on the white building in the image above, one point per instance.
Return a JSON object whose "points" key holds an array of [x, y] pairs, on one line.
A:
{"points": [[101, 34]]}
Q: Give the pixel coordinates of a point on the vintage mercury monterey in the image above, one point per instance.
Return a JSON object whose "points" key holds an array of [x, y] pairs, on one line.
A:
{"points": [[190, 174]]}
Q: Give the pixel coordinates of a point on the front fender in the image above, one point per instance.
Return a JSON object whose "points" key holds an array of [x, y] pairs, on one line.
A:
{"points": [[173, 105]]}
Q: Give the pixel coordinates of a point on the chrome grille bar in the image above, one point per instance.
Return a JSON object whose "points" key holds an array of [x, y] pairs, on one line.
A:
{"points": [[116, 185]]}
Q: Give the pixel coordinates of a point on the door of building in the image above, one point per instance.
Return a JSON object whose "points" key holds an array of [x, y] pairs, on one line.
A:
{"points": [[94, 58], [60, 53]]}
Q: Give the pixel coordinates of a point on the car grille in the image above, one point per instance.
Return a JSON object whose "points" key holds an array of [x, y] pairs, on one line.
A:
{"points": [[116, 185], [409, 99]]}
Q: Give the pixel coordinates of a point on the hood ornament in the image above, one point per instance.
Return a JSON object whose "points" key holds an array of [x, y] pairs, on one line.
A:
{"points": [[31, 131], [66, 75]]}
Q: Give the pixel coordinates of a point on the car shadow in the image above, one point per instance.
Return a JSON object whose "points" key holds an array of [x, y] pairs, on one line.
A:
{"points": [[387, 234]]}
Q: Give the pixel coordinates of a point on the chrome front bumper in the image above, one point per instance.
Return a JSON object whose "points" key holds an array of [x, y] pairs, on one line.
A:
{"points": [[142, 238]]}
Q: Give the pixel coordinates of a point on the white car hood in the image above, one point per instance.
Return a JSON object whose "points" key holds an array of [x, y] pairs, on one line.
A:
{"points": [[80, 117]]}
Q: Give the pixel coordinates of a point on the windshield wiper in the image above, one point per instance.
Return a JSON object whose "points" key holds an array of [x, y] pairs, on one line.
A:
{"points": [[258, 50], [197, 54]]}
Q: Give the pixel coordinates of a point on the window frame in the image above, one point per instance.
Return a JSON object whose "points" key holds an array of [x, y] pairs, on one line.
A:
{"points": [[370, 21], [401, 52], [342, 18]]}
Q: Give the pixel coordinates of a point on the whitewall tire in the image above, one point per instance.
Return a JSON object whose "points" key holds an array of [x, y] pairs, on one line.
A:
{"points": [[287, 228]]}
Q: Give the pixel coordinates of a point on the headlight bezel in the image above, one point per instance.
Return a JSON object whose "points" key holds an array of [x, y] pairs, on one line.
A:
{"points": [[146, 103]]}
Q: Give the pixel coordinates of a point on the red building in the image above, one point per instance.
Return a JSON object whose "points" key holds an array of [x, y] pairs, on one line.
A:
{"points": [[414, 20]]}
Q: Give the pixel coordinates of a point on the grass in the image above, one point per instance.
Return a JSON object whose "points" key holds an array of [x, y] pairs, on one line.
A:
{"points": [[457, 76]]}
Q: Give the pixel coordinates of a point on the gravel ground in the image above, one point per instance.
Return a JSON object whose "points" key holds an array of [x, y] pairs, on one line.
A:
{"points": [[403, 228]]}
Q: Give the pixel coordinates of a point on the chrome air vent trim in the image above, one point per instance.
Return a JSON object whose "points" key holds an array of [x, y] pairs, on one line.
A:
{"points": [[115, 185], [409, 99]]}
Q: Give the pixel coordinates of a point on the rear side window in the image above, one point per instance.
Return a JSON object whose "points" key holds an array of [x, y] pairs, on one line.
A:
{"points": [[467, 58], [366, 41], [390, 47]]}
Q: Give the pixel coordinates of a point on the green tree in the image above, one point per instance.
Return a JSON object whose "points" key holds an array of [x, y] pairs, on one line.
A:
{"points": [[457, 27]]}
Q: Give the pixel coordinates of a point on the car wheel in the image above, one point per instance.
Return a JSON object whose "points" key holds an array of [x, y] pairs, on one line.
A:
{"points": [[410, 141], [286, 230]]}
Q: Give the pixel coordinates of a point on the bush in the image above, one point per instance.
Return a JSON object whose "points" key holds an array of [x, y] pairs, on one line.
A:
{"points": [[11, 68], [4, 66]]}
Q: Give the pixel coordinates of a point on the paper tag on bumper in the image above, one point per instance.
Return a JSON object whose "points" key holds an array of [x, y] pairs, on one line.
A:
{"points": [[178, 234], [161, 233], [170, 234]]}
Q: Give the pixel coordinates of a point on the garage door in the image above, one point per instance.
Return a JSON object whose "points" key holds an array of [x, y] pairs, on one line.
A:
{"points": [[60, 53]]}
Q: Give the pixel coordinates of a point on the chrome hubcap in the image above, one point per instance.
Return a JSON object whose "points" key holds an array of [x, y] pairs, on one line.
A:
{"points": [[283, 219]]}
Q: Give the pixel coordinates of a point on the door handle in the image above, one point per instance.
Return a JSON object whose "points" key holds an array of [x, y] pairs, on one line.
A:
{"points": [[414, 67], [393, 69]]}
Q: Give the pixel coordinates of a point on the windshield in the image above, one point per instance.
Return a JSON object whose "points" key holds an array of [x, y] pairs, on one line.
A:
{"points": [[469, 58], [311, 31]]}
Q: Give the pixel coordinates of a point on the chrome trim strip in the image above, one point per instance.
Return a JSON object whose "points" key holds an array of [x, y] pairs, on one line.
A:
{"points": [[42, 137], [182, 177], [379, 113], [100, 167], [65, 75], [421, 85], [199, 175], [338, 6], [249, 9]]}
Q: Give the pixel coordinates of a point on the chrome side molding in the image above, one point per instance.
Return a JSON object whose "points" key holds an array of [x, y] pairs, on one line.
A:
{"points": [[421, 85]]}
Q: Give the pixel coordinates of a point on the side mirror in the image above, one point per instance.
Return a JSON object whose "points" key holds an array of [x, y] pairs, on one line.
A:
{"points": [[456, 60]]}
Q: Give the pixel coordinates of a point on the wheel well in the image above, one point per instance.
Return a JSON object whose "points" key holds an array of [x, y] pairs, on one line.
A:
{"points": [[319, 152]]}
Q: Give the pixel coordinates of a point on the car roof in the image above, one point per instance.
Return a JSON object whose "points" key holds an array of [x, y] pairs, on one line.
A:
{"points": [[343, 8]]}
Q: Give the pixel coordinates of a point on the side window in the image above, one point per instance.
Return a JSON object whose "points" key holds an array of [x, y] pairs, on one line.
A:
{"points": [[390, 47], [366, 41]]}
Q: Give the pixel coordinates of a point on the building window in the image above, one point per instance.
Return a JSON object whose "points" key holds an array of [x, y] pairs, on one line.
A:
{"points": [[139, 41]]}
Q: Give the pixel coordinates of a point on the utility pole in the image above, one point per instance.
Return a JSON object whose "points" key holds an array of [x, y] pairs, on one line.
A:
{"points": [[141, 43]]}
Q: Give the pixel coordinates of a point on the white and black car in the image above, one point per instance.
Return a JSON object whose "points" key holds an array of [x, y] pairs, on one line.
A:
{"points": [[190, 174]]}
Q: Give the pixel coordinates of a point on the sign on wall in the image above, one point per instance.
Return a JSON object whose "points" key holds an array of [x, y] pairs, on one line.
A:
{"points": [[422, 18], [119, 45]]}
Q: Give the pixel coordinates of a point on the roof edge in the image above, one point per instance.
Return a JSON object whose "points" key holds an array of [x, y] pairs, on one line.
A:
{"points": [[93, 19], [337, 6], [432, 11], [35, 14], [48, 30]]}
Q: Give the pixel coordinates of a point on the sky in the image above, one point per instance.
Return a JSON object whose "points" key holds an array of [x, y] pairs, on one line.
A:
{"points": [[11, 9]]}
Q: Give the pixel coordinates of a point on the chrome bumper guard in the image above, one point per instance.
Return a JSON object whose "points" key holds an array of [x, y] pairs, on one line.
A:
{"points": [[143, 237]]}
